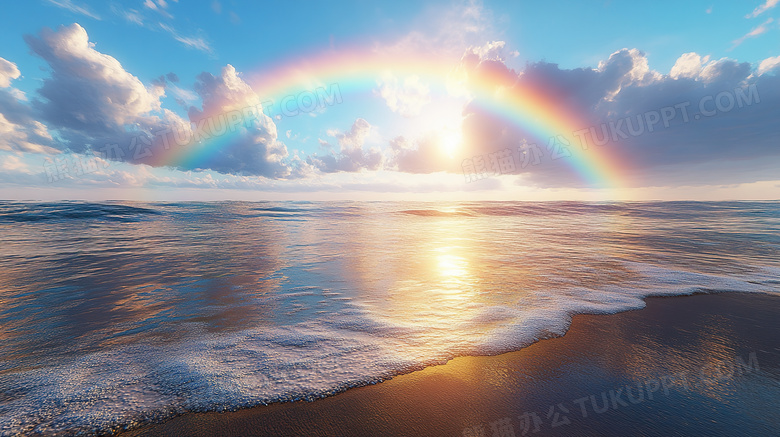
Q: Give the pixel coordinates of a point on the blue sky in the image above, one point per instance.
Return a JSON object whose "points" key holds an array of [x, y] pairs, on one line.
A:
{"points": [[381, 141]]}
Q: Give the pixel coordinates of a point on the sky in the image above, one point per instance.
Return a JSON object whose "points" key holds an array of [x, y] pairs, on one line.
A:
{"points": [[402, 100]]}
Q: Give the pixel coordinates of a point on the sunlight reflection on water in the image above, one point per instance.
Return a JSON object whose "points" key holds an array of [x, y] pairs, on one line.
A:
{"points": [[197, 302]]}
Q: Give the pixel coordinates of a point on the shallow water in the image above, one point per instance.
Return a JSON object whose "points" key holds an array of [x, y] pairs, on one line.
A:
{"points": [[119, 313]]}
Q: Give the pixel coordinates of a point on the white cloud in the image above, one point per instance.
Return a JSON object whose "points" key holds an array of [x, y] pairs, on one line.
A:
{"points": [[30, 136], [693, 66], [639, 71], [407, 98], [769, 4], [737, 144], [352, 157], [133, 16], [142, 18], [182, 94], [688, 65], [160, 7], [768, 65], [20, 131], [494, 50], [447, 32], [254, 149], [758, 30], [194, 42], [420, 157], [88, 89], [628, 67], [724, 69], [225, 92], [356, 137], [92, 102], [13, 163], [69, 5], [8, 72], [18, 94]]}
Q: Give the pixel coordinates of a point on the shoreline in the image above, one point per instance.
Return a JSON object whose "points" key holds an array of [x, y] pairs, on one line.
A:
{"points": [[697, 364]]}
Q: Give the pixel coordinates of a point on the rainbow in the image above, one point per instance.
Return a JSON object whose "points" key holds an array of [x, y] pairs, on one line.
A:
{"points": [[357, 71]]}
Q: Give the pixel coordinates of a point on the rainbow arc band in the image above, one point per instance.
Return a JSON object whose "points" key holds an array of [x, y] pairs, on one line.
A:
{"points": [[356, 72]]}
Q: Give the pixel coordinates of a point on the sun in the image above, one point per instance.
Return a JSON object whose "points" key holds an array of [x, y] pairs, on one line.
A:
{"points": [[450, 140]]}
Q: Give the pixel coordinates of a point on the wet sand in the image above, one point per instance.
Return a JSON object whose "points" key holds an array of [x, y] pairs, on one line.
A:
{"points": [[689, 365]]}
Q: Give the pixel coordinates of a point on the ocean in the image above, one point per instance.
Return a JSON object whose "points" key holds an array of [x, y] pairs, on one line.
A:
{"points": [[115, 314]]}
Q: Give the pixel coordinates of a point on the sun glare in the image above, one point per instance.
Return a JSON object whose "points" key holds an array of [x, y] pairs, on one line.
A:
{"points": [[450, 140]]}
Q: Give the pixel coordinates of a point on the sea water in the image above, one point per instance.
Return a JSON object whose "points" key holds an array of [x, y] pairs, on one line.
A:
{"points": [[115, 314]]}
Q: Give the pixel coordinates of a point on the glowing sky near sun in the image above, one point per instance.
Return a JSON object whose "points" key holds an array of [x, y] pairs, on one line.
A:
{"points": [[477, 100]]}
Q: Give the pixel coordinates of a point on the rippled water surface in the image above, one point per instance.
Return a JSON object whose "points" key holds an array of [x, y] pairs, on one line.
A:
{"points": [[115, 313]]}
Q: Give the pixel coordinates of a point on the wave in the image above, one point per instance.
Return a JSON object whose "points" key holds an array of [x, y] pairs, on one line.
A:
{"points": [[436, 213], [211, 308], [124, 387], [37, 212]]}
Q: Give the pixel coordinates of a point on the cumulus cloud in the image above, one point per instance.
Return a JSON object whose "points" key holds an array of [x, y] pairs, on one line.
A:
{"points": [[23, 133], [351, 156], [8, 72], [689, 65], [97, 106], [19, 129], [93, 103], [224, 92], [768, 65], [484, 134], [88, 90], [493, 50], [724, 70], [736, 142], [628, 67], [253, 149], [90, 101], [407, 98]]}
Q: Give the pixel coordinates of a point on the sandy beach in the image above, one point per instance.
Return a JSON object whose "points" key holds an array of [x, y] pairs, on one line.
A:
{"points": [[690, 365]]}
